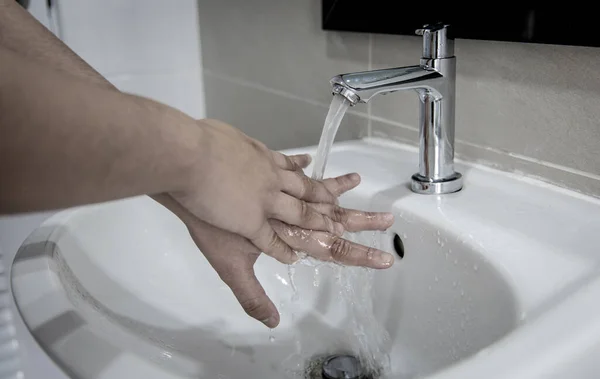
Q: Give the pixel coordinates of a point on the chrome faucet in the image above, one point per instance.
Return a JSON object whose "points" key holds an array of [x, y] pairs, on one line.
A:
{"points": [[434, 80]]}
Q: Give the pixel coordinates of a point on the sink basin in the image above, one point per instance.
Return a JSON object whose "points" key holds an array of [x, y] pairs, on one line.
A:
{"points": [[498, 280]]}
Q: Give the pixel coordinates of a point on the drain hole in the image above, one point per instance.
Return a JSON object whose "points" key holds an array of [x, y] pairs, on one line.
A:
{"points": [[398, 246], [342, 367]]}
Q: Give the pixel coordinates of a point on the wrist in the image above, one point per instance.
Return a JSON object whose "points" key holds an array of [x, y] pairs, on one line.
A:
{"points": [[182, 139]]}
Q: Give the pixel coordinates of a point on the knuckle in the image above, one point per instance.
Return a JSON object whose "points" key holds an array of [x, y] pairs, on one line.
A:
{"points": [[305, 211], [340, 215], [253, 306], [289, 162], [343, 183], [294, 166], [273, 241], [308, 186], [340, 249], [303, 189]]}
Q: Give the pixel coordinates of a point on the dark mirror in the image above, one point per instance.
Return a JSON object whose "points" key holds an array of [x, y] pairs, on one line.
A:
{"points": [[516, 22]]}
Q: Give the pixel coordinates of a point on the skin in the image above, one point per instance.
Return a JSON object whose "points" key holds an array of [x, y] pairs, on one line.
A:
{"points": [[68, 137]]}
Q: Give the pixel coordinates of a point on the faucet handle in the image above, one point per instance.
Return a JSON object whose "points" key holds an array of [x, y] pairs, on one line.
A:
{"points": [[437, 41]]}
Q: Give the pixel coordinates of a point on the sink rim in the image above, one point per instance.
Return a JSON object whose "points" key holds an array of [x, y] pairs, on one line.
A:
{"points": [[42, 232]]}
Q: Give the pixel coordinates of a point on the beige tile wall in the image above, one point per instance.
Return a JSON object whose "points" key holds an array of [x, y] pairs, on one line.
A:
{"points": [[529, 108]]}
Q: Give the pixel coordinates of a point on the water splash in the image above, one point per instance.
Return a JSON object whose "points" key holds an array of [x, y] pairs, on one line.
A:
{"points": [[365, 333]]}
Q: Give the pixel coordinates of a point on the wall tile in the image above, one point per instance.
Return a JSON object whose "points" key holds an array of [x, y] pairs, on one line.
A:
{"points": [[278, 121], [497, 159], [537, 101], [134, 36], [278, 44]]}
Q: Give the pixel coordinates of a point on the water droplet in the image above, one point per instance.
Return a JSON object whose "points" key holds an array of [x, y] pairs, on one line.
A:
{"points": [[523, 316], [456, 261], [436, 279], [439, 310], [429, 288], [437, 232], [462, 293], [475, 267], [454, 284]]}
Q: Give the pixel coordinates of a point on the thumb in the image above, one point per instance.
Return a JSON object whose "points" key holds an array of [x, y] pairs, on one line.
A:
{"points": [[251, 295]]}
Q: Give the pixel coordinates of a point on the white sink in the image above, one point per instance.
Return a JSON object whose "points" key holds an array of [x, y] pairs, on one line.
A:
{"points": [[499, 280]]}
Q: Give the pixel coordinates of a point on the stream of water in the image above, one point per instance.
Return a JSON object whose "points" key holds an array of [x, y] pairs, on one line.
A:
{"points": [[337, 110], [365, 334]]}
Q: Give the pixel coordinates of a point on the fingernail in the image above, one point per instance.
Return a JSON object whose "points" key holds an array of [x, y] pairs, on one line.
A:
{"points": [[354, 177], [339, 229], [388, 217], [295, 258], [270, 322], [387, 259]]}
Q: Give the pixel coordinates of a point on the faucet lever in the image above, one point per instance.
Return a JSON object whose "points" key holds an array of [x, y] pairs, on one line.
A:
{"points": [[437, 41]]}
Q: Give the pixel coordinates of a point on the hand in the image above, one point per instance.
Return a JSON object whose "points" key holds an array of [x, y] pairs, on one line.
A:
{"points": [[233, 256], [241, 184]]}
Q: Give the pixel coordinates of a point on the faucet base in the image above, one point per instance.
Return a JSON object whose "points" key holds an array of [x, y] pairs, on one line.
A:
{"points": [[423, 185]]}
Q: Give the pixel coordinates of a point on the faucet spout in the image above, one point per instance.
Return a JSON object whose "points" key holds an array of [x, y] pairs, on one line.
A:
{"points": [[361, 87], [434, 80]]}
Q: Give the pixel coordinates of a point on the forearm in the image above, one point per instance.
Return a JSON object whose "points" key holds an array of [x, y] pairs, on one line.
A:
{"points": [[64, 142], [23, 34]]}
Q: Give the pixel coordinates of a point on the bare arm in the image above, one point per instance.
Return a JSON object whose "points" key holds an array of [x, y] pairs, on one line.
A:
{"points": [[231, 255], [22, 33], [65, 142]]}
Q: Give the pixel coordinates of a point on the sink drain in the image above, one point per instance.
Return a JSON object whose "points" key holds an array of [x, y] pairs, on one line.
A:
{"points": [[342, 367]]}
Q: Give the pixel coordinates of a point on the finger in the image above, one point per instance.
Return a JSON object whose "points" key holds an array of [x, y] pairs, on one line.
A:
{"points": [[252, 297], [291, 163], [301, 160], [354, 220], [341, 184], [327, 247], [302, 187], [237, 271], [270, 243], [297, 212]]}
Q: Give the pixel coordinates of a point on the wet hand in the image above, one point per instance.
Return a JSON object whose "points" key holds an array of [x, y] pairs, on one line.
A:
{"points": [[233, 256], [240, 184]]}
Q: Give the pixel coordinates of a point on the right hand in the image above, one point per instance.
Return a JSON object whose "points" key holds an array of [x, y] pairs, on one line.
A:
{"points": [[240, 184]]}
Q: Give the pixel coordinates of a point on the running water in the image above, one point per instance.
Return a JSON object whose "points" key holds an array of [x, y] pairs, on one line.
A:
{"points": [[337, 109], [367, 336]]}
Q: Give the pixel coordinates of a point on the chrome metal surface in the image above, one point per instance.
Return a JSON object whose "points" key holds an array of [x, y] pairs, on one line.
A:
{"points": [[342, 367], [434, 80], [436, 41]]}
